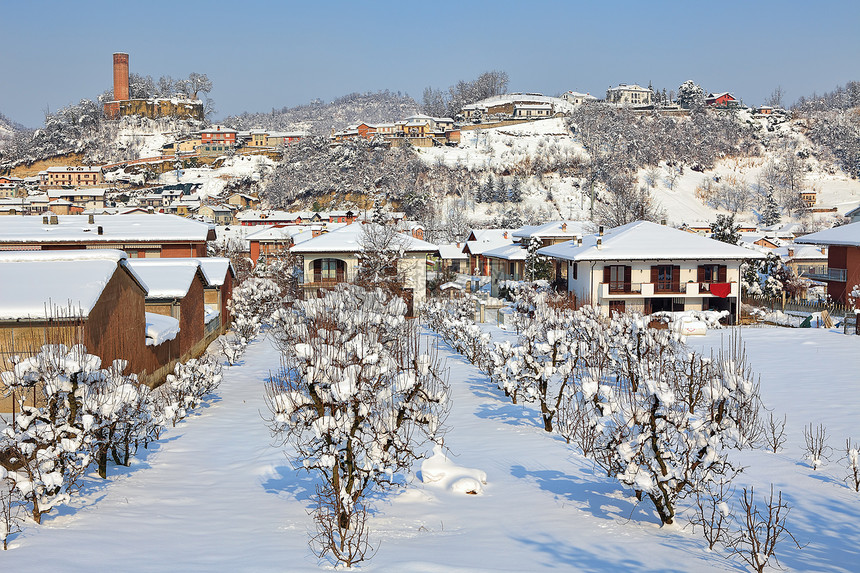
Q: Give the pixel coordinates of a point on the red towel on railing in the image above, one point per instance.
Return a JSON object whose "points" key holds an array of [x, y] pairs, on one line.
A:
{"points": [[721, 290]]}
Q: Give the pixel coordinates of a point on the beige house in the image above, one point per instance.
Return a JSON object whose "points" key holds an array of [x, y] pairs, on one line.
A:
{"points": [[644, 267], [334, 257], [80, 176]]}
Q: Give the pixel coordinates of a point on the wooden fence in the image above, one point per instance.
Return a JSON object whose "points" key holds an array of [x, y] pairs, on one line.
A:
{"points": [[783, 304]]}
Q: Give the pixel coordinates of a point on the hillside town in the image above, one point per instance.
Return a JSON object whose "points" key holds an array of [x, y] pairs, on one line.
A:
{"points": [[580, 288]]}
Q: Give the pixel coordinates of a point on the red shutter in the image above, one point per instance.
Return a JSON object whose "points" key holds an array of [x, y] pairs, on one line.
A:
{"points": [[676, 278], [628, 276], [606, 274], [700, 276], [722, 273], [655, 270], [318, 270]]}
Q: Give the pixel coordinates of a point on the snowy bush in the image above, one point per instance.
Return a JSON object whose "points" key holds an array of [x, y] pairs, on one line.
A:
{"points": [[185, 389], [356, 398], [45, 448], [252, 304]]}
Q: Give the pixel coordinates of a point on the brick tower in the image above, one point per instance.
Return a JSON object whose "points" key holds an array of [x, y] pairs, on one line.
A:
{"points": [[120, 76]]}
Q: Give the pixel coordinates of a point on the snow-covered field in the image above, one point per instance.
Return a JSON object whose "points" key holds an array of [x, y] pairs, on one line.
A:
{"points": [[215, 180], [215, 495]]}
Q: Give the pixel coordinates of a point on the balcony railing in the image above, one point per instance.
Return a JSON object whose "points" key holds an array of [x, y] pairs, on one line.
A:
{"points": [[621, 289], [835, 275]]}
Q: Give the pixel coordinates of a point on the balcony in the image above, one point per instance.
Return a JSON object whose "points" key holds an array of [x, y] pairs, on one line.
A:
{"points": [[835, 275], [613, 290]]}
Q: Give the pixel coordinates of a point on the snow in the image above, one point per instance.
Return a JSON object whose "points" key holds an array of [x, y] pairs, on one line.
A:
{"points": [[643, 240], [846, 235], [348, 239], [215, 269], [214, 494], [160, 328], [214, 181], [61, 283], [166, 278], [69, 228]]}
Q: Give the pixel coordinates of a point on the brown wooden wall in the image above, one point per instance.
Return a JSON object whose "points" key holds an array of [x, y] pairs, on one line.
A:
{"points": [[116, 327]]}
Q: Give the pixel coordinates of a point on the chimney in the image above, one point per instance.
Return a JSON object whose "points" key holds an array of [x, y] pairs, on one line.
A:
{"points": [[824, 250], [599, 243], [45, 220], [120, 76], [663, 222], [791, 251], [92, 219], [600, 231], [564, 227], [99, 230], [505, 235]]}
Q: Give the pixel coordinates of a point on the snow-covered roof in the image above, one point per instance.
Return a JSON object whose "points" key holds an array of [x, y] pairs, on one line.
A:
{"points": [[628, 87], [513, 252], [845, 235], [555, 229], [349, 238], [167, 278], [805, 252], [452, 251], [643, 240], [67, 284], [76, 169], [83, 191], [71, 228], [276, 233], [215, 269], [160, 328]]}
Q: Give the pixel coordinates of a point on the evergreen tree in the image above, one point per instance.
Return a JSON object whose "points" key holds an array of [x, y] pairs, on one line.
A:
{"points": [[770, 213], [537, 267], [516, 191], [724, 229]]}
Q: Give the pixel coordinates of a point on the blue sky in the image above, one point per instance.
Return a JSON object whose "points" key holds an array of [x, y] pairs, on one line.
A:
{"points": [[261, 55]]}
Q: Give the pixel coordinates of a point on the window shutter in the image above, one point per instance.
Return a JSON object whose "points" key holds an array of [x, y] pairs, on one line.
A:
{"points": [[700, 276], [628, 275], [341, 271], [676, 278], [655, 270], [722, 273], [606, 274], [317, 270]]}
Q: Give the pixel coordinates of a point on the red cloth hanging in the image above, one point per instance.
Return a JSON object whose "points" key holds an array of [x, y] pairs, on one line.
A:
{"points": [[721, 290]]}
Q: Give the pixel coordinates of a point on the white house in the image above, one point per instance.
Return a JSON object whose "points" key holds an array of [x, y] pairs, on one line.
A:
{"points": [[644, 267], [334, 257], [634, 95]]}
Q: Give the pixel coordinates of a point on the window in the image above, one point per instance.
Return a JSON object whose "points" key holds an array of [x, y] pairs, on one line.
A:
{"points": [[618, 277], [666, 278], [710, 273]]}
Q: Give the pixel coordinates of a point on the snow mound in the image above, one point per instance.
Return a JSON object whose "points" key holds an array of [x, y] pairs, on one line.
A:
{"points": [[442, 473]]}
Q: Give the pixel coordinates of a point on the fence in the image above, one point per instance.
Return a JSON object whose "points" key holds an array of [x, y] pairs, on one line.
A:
{"points": [[779, 303]]}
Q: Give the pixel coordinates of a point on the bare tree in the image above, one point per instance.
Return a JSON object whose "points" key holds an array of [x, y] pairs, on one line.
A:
{"points": [[775, 99], [816, 448], [852, 459], [761, 530], [774, 433], [712, 512], [10, 504]]}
